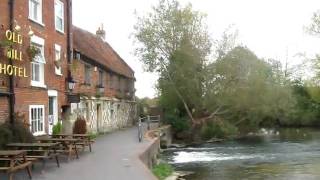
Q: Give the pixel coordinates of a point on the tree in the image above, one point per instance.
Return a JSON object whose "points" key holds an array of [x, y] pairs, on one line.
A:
{"points": [[161, 33], [250, 89], [314, 27]]}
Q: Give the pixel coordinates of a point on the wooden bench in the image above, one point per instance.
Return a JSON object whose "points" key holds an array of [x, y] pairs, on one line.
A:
{"points": [[66, 145], [84, 139], [15, 161], [38, 151]]}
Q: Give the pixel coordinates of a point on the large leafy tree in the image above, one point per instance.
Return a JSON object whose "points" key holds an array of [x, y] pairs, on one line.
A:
{"points": [[160, 36], [249, 88]]}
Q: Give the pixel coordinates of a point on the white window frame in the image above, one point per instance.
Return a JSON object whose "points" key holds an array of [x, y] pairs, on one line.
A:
{"points": [[58, 3], [37, 132], [39, 60], [39, 10], [57, 48]]}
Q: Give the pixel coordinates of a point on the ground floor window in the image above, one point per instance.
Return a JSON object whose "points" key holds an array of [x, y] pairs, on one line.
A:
{"points": [[36, 113]]}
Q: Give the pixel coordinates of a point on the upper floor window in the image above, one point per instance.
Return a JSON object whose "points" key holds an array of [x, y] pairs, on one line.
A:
{"points": [[35, 10], [87, 74], [101, 79], [58, 61], [59, 15], [37, 64]]}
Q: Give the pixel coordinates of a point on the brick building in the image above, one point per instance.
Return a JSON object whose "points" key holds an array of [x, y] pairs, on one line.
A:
{"points": [[37, 63], [42, 28], [105, 83]]}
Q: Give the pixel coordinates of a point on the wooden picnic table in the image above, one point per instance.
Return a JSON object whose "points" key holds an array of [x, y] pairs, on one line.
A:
{"points": [[35, 151], [16, 160], [85, 139], [68, 144]]}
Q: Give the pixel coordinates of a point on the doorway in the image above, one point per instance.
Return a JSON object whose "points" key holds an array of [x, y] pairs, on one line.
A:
{"points": [[53, 110]]}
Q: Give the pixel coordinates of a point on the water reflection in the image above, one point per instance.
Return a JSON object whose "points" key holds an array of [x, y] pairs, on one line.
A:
{"points": [[283, 154]]}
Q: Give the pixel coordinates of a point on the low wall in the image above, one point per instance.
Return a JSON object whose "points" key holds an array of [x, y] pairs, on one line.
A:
{"points": [[149, 156], [157, 136]]}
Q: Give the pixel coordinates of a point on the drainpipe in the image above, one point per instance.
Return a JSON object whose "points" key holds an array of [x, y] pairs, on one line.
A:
{"points": [[69, 24], [11, 80]]}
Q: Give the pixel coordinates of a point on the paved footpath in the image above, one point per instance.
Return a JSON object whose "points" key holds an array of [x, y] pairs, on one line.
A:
{"points": [[114, 157]]}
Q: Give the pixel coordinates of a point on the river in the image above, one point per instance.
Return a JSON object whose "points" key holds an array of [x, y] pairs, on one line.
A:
{"points": [[290, 154]]}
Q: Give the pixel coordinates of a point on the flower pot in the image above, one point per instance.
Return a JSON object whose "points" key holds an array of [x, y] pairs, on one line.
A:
{"points": [[57, 63]]}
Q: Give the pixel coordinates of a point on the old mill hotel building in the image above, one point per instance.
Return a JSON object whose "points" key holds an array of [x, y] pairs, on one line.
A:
{"points": [[51, 70]]}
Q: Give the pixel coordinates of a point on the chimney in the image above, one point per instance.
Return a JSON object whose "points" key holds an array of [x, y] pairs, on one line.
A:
{"points": [[101, 33]]}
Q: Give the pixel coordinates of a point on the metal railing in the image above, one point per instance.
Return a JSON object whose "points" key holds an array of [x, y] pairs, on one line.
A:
{"points": [[148, 119]]}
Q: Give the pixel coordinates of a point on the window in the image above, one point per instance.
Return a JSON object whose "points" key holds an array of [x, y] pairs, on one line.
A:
{"points": [[101, 79], [59, 15], [87, 73], [58, 61], [37, 65], [118, 83], [35, 10], [111, 81], [36, 118]]}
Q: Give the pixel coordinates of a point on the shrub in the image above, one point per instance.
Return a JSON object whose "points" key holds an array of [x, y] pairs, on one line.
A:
{"points": [[56, 129], [218, 129], [80, 126], [18, 132], [162, 170], [179, 124]]}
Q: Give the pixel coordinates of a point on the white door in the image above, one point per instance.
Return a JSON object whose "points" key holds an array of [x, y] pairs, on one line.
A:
{"points": [[53, 112]]}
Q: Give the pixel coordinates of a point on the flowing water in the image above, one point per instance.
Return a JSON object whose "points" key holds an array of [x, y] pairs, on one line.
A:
{"points": [[292, 154]]}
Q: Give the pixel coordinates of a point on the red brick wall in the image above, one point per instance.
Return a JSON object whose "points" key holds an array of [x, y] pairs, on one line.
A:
{"points": [[90, 90], [25, 94], [111, 82], [3, 109]]}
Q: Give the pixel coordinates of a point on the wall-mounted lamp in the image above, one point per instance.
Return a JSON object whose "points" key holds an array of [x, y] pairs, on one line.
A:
{"points": [[30, 33], [16, 27], [71, 83]]}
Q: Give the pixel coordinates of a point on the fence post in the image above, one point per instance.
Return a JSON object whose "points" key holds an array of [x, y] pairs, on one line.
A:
{"points": [[148, 122], [159, 118]]}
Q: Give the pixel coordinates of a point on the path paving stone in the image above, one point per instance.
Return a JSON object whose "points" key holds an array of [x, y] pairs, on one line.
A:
{"points": [[115, 156]]}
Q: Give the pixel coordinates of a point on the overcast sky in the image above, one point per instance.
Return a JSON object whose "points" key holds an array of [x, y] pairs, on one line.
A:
{"points": [[270, 28]]}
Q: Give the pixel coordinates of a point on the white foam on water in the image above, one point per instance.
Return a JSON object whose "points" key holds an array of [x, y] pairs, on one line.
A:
{"points": [[186, 157]]}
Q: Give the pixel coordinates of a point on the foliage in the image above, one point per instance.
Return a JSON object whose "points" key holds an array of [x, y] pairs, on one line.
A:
{"points": [[218, 129], [93, 135], [241, 90], [33, 52], [6, 43], [80, 126], [142, 107], [185, 75], [56, 129], [314, 27], [18, 132], [162, 170], [179, 124], [160, 33]]}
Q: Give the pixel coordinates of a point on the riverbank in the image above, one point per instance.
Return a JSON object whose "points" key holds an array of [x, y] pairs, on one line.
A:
{"points": [[289, 153]]}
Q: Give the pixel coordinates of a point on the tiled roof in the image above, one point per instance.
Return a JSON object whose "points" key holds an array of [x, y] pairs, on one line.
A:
{"points": [[100, 51]]}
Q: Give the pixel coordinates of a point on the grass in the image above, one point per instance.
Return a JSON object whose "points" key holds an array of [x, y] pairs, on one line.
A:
{"points": [[162, 170]]}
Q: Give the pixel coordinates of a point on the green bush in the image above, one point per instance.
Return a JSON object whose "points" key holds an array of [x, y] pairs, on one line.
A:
{"points": [[56, 129], [18, 132], [162, 170], [93, 135], [218, 130], [179, 124]]}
